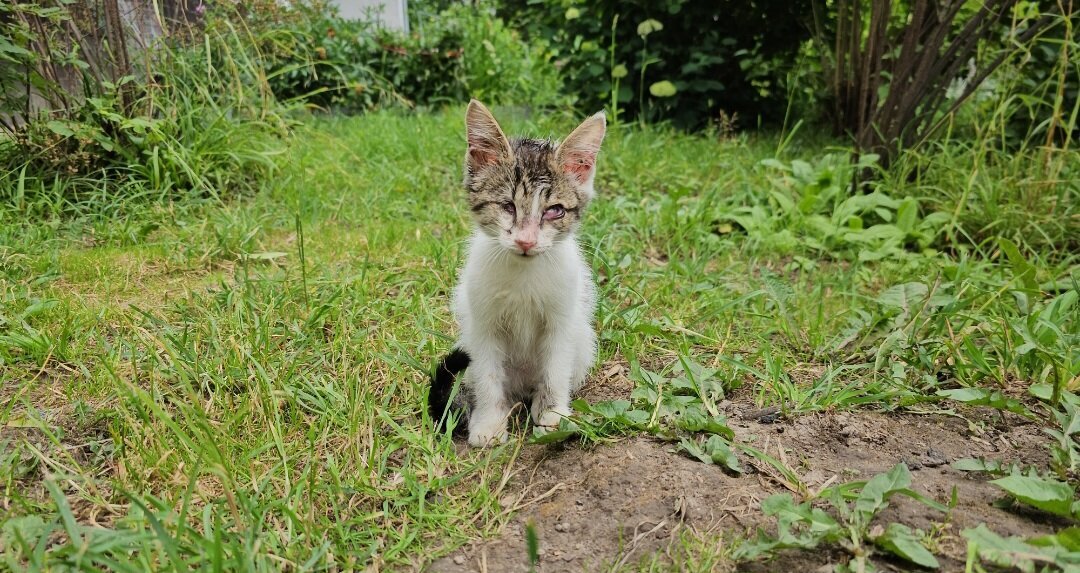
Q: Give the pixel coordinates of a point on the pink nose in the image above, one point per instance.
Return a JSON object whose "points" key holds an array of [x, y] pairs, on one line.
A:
{"points": [[525, 244]]}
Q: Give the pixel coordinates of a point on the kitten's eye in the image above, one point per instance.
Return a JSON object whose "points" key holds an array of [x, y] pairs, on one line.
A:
{"points": [[509, 208], [554, 212]]}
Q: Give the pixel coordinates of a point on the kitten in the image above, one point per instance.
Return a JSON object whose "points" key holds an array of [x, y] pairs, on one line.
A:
{"points": [[525, 298]]}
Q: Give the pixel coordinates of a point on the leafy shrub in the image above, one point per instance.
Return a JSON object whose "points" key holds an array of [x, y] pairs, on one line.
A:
{"points": [[352, 65], [1049, 86], [499, 66], [809, 206], [176, 123], [678, 60], [1031, 99]]}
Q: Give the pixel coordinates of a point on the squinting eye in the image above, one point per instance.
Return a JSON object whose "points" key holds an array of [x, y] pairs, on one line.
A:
{"points": [[554, 212], [509, 208]]}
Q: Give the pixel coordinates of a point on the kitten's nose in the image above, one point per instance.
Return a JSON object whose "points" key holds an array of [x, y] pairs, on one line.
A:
{"points": [[525, 244]]}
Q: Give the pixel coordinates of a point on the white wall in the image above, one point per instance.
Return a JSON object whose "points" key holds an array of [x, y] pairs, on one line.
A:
{"points": [[390, 13]]}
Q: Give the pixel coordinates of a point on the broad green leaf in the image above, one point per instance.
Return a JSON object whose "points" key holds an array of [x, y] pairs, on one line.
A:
{"points": [[802, 170], [1067, 539], [1059, 309], [266, 256], [9, 48], [636, 418], [1022, 269], [877, 491], [700, 421], [977, 465], [1044, 391], [1043, 493], [619, 71], [1014, 553], [907, 215], [868, 160], [38, 308], [716, 450], [567, 428], [59, 128], [581, 405], [662, 89], [610, 408], [778, 503], [986, 397], [775, 164], [21, 531], [904, 296], [901, 541], [785, 510], [648, 27]]}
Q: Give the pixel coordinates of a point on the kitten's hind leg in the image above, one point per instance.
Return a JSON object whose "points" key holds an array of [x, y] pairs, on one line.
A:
{"points": [[490, 407]]}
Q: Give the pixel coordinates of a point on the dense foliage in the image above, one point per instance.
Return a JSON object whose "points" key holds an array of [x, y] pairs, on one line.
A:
{"points": [[453, 54], [680, 60], [170, 120], [1048, 86]]}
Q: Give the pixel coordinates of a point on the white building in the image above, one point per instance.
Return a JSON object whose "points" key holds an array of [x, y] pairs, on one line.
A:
{"points": [[390, 14]]}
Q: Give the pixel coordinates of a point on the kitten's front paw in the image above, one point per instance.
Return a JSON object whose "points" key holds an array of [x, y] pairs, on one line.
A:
{"points": [[490, 437], [549, 418]]}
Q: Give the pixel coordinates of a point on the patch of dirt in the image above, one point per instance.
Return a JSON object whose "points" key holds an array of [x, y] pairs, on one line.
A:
{"points": [[595, 507], [607, 502], [610, 382]]}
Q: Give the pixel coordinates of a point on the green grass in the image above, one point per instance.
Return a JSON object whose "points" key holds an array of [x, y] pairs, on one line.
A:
{"points": [[239, 385]]}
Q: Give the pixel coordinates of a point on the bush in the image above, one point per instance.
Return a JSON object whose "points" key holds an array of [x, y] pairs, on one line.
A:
{"points": [[174, 124], [1049, 84], [500, 67], [680, 60], [352, 66]]}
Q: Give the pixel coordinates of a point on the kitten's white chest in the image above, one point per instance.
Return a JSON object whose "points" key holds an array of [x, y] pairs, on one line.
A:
{"points": [[523, 307], [521, 303]]}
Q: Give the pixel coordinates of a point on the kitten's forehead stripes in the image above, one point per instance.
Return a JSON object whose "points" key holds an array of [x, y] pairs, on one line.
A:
{"points": [[532, 169], [519, 181], [528, 178]]}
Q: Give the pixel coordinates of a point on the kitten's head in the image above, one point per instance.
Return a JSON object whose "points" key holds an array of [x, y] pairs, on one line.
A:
{"points": [[528, 193]]}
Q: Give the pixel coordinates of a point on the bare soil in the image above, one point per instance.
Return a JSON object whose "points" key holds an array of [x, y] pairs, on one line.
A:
{"points": [[595, 508]]}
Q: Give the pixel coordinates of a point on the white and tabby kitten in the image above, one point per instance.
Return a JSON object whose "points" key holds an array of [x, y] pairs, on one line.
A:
{"points": [[525, 298]]}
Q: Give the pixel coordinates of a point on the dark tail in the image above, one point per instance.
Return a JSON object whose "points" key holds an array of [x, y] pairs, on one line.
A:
{"points": [[442, 384]]}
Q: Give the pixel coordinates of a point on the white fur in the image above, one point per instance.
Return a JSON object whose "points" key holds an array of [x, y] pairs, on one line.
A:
{"points": [[526, 323]]}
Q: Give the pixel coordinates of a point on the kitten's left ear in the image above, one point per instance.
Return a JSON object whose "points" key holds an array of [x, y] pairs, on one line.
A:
{"points": [[577, 154]]}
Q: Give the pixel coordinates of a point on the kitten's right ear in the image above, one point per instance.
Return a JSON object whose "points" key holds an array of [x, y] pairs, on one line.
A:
{"points": [[487, 143], [577, 153]]}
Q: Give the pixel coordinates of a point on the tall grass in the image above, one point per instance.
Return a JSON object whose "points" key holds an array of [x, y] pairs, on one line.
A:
{"points": [[194, 120]]}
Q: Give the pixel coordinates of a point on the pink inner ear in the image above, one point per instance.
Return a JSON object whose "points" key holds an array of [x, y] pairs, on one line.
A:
{"points": [[579, 164], [482, 156]]}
